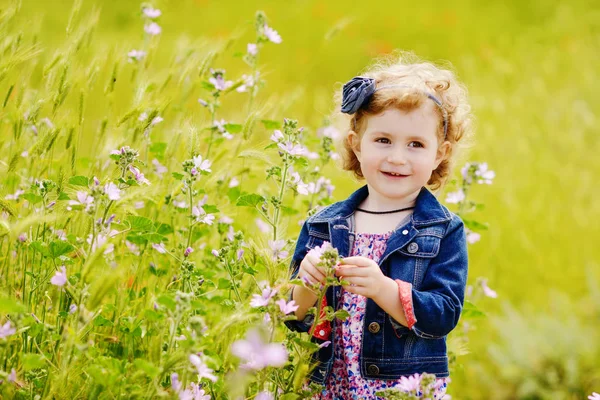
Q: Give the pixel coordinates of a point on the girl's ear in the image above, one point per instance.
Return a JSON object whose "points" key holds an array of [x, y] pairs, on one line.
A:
{"points": [[354, 142], [442, 153]]}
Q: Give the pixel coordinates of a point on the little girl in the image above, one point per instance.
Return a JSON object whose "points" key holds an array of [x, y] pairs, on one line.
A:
{"points": [[405, 253]]}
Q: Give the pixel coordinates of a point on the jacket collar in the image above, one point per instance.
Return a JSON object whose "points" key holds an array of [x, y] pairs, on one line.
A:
{"points": [[428, 209]]}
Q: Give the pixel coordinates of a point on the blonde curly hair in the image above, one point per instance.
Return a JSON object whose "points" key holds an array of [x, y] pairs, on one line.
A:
{"points": [[406, 69]]}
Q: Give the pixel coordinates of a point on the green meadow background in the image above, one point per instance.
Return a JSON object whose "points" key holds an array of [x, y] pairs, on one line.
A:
{"points": [[532, 70]]}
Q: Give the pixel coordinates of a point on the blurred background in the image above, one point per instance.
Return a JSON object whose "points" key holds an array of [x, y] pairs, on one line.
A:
{"points": [[531, 68]]}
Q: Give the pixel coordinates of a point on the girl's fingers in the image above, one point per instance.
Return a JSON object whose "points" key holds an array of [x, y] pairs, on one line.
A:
{"points": [[313, 271], [350, 271]]}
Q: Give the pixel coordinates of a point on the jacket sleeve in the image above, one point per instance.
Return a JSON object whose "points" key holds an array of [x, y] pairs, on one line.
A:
{"points": [[438, 302], [299, 254]]}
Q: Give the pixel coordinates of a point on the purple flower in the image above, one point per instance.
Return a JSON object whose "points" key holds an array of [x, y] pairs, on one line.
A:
{"points": [[484, 175], [215, 253], [329, 131], [472, 237], [263, 300], [72, 308], [175, 384], [23, 237], [325, 344], [60, 278], [276, 247], [252, 49], [7, 330], [202, 216], [188, 251], [99, 241], [594, 396], [240, 253], [15, 196], [230, 234], [272, 34], [112, 191], [12, 377], [160, 247], [152, 13], [262, 225], [234, 182], [132, 247], [153, 29], [203, 102], [258, 354], [139, 177], [203, 370], [286, 308]]}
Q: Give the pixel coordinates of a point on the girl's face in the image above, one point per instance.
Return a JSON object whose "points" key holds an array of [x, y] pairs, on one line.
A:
{"points": [[401, 143]]}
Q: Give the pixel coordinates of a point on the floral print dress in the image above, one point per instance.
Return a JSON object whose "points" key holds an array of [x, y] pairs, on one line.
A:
{"points": [[345, 381]]}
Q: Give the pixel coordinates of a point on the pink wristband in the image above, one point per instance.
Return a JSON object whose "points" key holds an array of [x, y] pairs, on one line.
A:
{"points": [[405, 292]]}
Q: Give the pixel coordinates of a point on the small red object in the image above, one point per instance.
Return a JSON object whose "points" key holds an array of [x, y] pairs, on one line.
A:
{"points": [[323, 330]]}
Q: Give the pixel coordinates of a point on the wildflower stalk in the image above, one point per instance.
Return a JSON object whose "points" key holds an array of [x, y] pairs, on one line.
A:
{"points": [[278, 208]]}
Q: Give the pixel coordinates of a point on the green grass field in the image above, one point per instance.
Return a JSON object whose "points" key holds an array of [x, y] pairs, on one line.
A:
{"points": [[531, 69]]}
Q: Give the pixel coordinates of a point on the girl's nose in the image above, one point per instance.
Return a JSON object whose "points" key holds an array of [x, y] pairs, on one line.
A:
{"points": [[396, 158]]}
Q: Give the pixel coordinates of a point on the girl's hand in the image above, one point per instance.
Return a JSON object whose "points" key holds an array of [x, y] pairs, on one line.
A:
{"points": [[309, 270], [364, 275]]}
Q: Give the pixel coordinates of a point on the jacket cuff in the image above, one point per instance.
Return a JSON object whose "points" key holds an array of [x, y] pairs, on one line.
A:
{"points": [[405, 293]]}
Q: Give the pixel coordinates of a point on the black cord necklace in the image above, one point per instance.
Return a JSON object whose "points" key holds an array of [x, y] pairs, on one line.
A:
{"points": [[384, 212]]}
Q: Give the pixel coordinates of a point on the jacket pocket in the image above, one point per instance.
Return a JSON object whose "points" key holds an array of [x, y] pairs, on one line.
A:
{"points": [[425, 245]]}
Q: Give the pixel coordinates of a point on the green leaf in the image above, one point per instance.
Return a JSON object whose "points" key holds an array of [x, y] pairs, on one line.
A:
{"points": [[164, 229], [79, 181], [32, 198], [224, 283], [31, 361], [270, 124], [138, 223], [10, 306], [289, 211], [474, 225], [147, 367], [470, 310], [250, 200], [154, 237], [58, 247], [63, 196], [290, 396], [41, 247], [158, 148], [233, 128], [101, 321], [210, 208], [166, 301], [177, 176]]}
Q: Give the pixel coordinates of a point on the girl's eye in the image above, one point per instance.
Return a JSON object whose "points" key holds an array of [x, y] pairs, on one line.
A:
{"points": [[419, 144], [378, 140]]}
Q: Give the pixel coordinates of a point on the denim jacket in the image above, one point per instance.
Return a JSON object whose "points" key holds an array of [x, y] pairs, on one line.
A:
{"points": [[430, 253]]}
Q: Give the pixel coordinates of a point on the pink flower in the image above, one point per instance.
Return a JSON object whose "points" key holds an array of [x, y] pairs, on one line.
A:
{"points": [[159, 168], [262, 225], [215, 253], [188, 251], [472, 237], [277, 136], [319, 250], [486, 289], [6, 330], [60, 278], [329, 131], [292, 149], [594, 396], [234, 182], [72, 308], [252, 49], [203, 370], [152, 12], [272, 34], [240, 253], [455, 197], [160, 247], [112, 191], [410, 384], [202, 165], [286, 308], [153, 29], [484, 175], [99, 241], [264, 396], [132, 248], [225, 220], [264, 299], [136, 55], [219, 82], [139, 177], [276, 247], [202, 216], [258, 354], [83, 199]]}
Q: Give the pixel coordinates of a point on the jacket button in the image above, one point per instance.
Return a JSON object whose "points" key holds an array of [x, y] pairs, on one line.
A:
{"points": [[413, 248], [374, 327], [373, 369]]}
